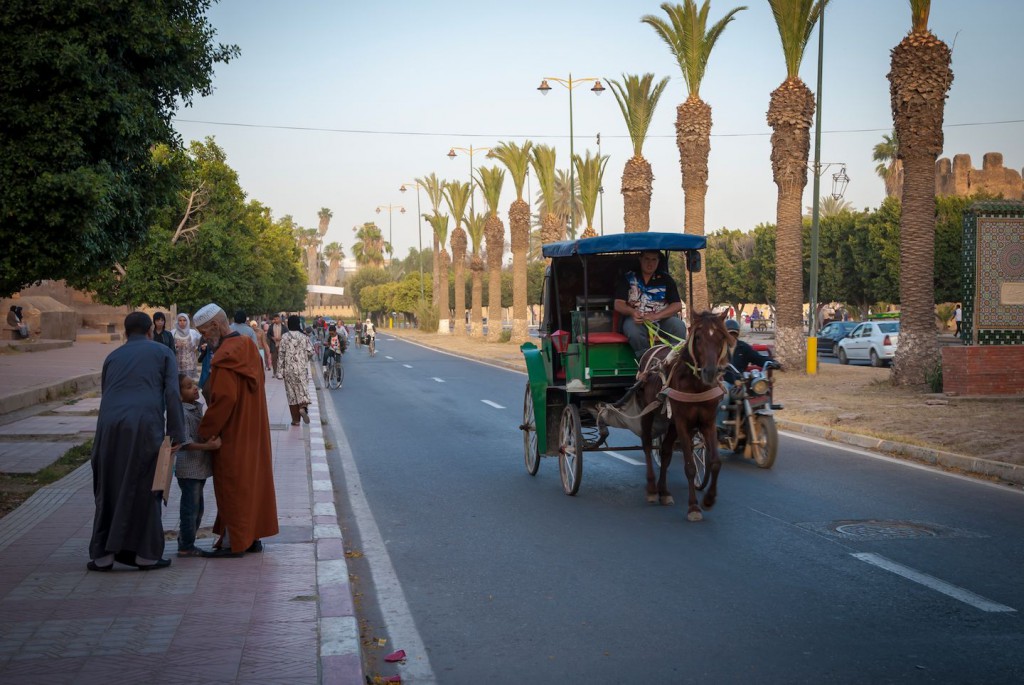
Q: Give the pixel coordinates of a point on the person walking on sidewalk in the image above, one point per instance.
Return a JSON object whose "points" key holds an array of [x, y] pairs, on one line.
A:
{"points": [[275, 332], [139, 381], [296, 351], [958, 318], [186, 346], [261, 344], [240, 326], [243, 470], [160, 332], [192, 467]]}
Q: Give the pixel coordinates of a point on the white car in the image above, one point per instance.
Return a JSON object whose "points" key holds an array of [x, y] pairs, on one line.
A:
{"points": [[873, 341]]}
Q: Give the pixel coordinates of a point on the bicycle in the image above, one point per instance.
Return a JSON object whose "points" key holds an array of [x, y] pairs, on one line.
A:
{"points": [[334, 374], [372, 344]]}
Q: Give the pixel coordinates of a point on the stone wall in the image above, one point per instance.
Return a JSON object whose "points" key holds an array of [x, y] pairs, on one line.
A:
{"points": [[960, 178], [47, 318], [983, 369], [93, 314]]}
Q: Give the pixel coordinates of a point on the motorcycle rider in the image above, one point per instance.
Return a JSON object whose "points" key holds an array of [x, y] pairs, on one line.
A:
{"points": [[741, 354]]}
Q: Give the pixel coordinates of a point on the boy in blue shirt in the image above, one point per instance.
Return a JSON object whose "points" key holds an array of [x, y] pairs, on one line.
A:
{"points": [[192, 467]]}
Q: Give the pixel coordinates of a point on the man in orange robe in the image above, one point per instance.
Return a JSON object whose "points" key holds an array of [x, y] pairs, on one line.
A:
{"points": [[243, 472]]}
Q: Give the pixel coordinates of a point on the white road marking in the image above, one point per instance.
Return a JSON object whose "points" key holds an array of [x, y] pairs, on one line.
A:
{"points": [[957, 593], [897, 460], [408, 366], [492, 404], [401, 628], [439, 380], [387, 357], [623, 457]]}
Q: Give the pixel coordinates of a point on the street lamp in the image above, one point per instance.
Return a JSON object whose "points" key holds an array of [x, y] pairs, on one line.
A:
{"points": [[470, 151], [571, 83], [600, 188], [419, 218], [390, 209]]}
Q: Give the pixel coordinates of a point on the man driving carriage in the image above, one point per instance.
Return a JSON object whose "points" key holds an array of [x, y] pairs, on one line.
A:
{"points": [[649, 296]]}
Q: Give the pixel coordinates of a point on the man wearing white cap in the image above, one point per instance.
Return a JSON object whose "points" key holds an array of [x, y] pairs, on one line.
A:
{"points": [[243, 473]]}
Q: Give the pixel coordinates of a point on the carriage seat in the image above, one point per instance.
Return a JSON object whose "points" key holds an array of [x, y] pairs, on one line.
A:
{"points": [[603, 329], [605, 338]]}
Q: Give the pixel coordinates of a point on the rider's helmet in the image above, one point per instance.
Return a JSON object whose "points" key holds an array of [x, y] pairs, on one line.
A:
{"points": [[367, 320], [732, 326]]}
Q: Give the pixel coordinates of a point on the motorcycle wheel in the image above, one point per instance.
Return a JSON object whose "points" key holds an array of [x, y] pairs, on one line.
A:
{"points": [[764, 450]]}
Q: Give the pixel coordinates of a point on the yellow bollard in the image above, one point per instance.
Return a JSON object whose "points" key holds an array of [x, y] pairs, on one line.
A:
{"points": [[812, 355]]}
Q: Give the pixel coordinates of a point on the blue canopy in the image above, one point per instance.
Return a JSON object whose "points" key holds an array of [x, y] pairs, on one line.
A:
{"points": [[625, 242]]}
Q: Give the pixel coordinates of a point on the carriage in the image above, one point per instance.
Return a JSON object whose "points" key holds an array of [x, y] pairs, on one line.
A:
{"points": [[583, 361]]}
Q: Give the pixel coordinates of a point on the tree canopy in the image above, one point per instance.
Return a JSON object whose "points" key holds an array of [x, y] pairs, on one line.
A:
{"points": [[89, 87]]}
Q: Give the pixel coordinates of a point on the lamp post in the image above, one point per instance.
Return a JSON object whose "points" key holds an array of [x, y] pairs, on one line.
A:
{"points": [[390, 209], [419, 219], [839, 182], [571, 83], [600, 188], [470, 151]]}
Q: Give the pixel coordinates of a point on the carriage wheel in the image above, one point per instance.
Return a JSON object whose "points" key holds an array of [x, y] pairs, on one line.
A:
{"points": [[570, 450], [763, 451], [531, 453], [700, 460]]}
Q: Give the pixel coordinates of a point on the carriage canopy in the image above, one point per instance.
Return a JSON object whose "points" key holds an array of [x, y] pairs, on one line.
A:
{"points": [[625, 242]]}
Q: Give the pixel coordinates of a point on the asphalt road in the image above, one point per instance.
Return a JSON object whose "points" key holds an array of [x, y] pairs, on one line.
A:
{"points": [[833, 567]]}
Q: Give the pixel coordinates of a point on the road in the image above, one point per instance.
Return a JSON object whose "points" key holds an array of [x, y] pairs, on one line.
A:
{"points": [[835, 566]]}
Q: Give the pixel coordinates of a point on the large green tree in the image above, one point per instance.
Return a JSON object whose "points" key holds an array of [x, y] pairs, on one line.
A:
{"points": [[88, 89]]}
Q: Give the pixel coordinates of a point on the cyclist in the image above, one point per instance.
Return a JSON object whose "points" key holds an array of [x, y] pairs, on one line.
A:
{"points": [[333, 347], [369, 333]]}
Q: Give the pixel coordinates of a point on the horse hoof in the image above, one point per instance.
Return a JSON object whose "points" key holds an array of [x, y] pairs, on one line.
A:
{"points": [[666, 501], [694, 516], [651, 499], [709, 502]]}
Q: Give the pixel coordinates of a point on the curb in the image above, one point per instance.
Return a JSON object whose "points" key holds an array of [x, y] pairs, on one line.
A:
{"points": [[1012, 474], [47, 393], [341, 659]]}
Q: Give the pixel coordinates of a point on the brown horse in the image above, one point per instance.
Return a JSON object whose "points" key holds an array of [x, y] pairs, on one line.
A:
{"points": [[693, 392]]}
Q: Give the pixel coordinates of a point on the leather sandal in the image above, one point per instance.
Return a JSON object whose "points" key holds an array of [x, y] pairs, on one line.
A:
{"points": [[222, 553], [102, 569], [160, 563]]}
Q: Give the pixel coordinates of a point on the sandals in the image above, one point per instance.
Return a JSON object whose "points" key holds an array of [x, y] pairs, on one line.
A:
{"points": [[102, 569], [304, 414]]}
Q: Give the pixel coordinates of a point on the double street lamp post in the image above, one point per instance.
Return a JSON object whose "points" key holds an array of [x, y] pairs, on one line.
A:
{"points": [[419, 219], [571, 83], [470, 151], [390, 209]]}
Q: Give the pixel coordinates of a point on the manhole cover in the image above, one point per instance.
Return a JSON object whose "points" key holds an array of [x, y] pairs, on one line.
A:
{"points": [[873, 529]]}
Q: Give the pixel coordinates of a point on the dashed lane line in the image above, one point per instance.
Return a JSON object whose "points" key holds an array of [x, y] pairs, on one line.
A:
{"points": [[387, 357], [439, 380], [492, 404], [408, 366], [948, 589], [623, 457]]}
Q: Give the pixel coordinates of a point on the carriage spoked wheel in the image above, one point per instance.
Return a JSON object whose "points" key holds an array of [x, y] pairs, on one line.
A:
{"points": [[700, 459], [531, 453], [570, 450]]}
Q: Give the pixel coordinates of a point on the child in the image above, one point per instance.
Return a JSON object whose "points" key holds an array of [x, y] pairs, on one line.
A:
{"points": [[192, 468]]}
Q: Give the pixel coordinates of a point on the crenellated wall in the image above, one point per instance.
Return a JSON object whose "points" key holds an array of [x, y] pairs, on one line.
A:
{"points": [[960, 178]]}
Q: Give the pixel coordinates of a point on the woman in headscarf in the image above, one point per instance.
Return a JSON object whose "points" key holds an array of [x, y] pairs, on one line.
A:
{"points": [[261, 344], [296, 350], [160, 332], [186, 346]]}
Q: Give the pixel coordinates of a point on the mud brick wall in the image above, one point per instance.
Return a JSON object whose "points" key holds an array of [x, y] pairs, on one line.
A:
{"points": [[983, 369]]}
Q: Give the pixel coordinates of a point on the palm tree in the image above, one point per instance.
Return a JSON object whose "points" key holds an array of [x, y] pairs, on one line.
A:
{"points": [[333, 253], [563, 198], [490, 181], [691, 44], [516, 159], [325, 220], [919, 81], [542, 158], [830, 206], [475, 228], [590, 172], [435, 193], [890, 166], [439, 224], [369, 246], [637, 99], [790, 113], [457, 195]]}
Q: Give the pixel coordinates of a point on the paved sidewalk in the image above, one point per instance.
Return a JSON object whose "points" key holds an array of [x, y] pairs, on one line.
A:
{"points": [[283, 616]]}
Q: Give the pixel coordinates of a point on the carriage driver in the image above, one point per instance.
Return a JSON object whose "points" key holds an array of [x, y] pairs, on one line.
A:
{"points": [[648, 296]]}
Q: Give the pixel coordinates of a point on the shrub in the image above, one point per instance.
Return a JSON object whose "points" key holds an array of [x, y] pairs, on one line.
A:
{"points": [[426, 317]]}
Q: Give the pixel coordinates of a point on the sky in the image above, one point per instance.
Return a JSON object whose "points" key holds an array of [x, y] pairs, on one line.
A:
{"points": [[336, 103]]}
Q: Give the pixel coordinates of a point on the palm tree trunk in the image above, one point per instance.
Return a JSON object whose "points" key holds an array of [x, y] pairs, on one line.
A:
{"points": [[693, 138], [443, 310], [435, 284], [789, 114], [589, 232], [637, 181], [458, 242], [495, 235], [476, 316], [519, 229]]}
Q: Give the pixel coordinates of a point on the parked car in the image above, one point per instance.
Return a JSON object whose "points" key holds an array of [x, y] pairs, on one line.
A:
{"points": [[830, 335], [873, 341]]}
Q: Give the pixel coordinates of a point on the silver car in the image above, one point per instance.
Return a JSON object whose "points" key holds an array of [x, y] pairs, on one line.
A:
{"points": [[873, 341]]}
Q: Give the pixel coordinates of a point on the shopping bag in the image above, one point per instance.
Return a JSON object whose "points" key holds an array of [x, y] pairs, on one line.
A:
{"points": [[164, 469]]}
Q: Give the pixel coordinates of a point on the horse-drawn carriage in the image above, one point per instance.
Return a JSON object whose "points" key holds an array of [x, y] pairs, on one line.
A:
{"points": [[585, 368]]}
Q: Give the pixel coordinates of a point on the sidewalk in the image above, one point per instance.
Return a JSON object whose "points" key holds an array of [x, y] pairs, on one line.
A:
{"points": [[283, 616]]}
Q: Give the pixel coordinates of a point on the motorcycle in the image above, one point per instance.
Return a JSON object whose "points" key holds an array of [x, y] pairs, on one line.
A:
{"points": [[746, 424]]}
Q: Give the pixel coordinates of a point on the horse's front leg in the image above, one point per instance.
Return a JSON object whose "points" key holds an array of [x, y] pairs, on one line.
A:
{"points": [[710, 433], [646, 424], [686, 442], [667, 443]]}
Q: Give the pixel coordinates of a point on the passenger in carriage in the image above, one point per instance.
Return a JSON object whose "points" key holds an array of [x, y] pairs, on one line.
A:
{"points": [[649, 295]]}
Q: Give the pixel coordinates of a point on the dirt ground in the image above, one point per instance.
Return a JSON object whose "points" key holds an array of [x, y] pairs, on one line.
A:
{"points": [[855, 399]]}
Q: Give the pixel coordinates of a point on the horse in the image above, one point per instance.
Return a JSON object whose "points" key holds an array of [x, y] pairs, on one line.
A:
{"points": [[688, 376]]}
